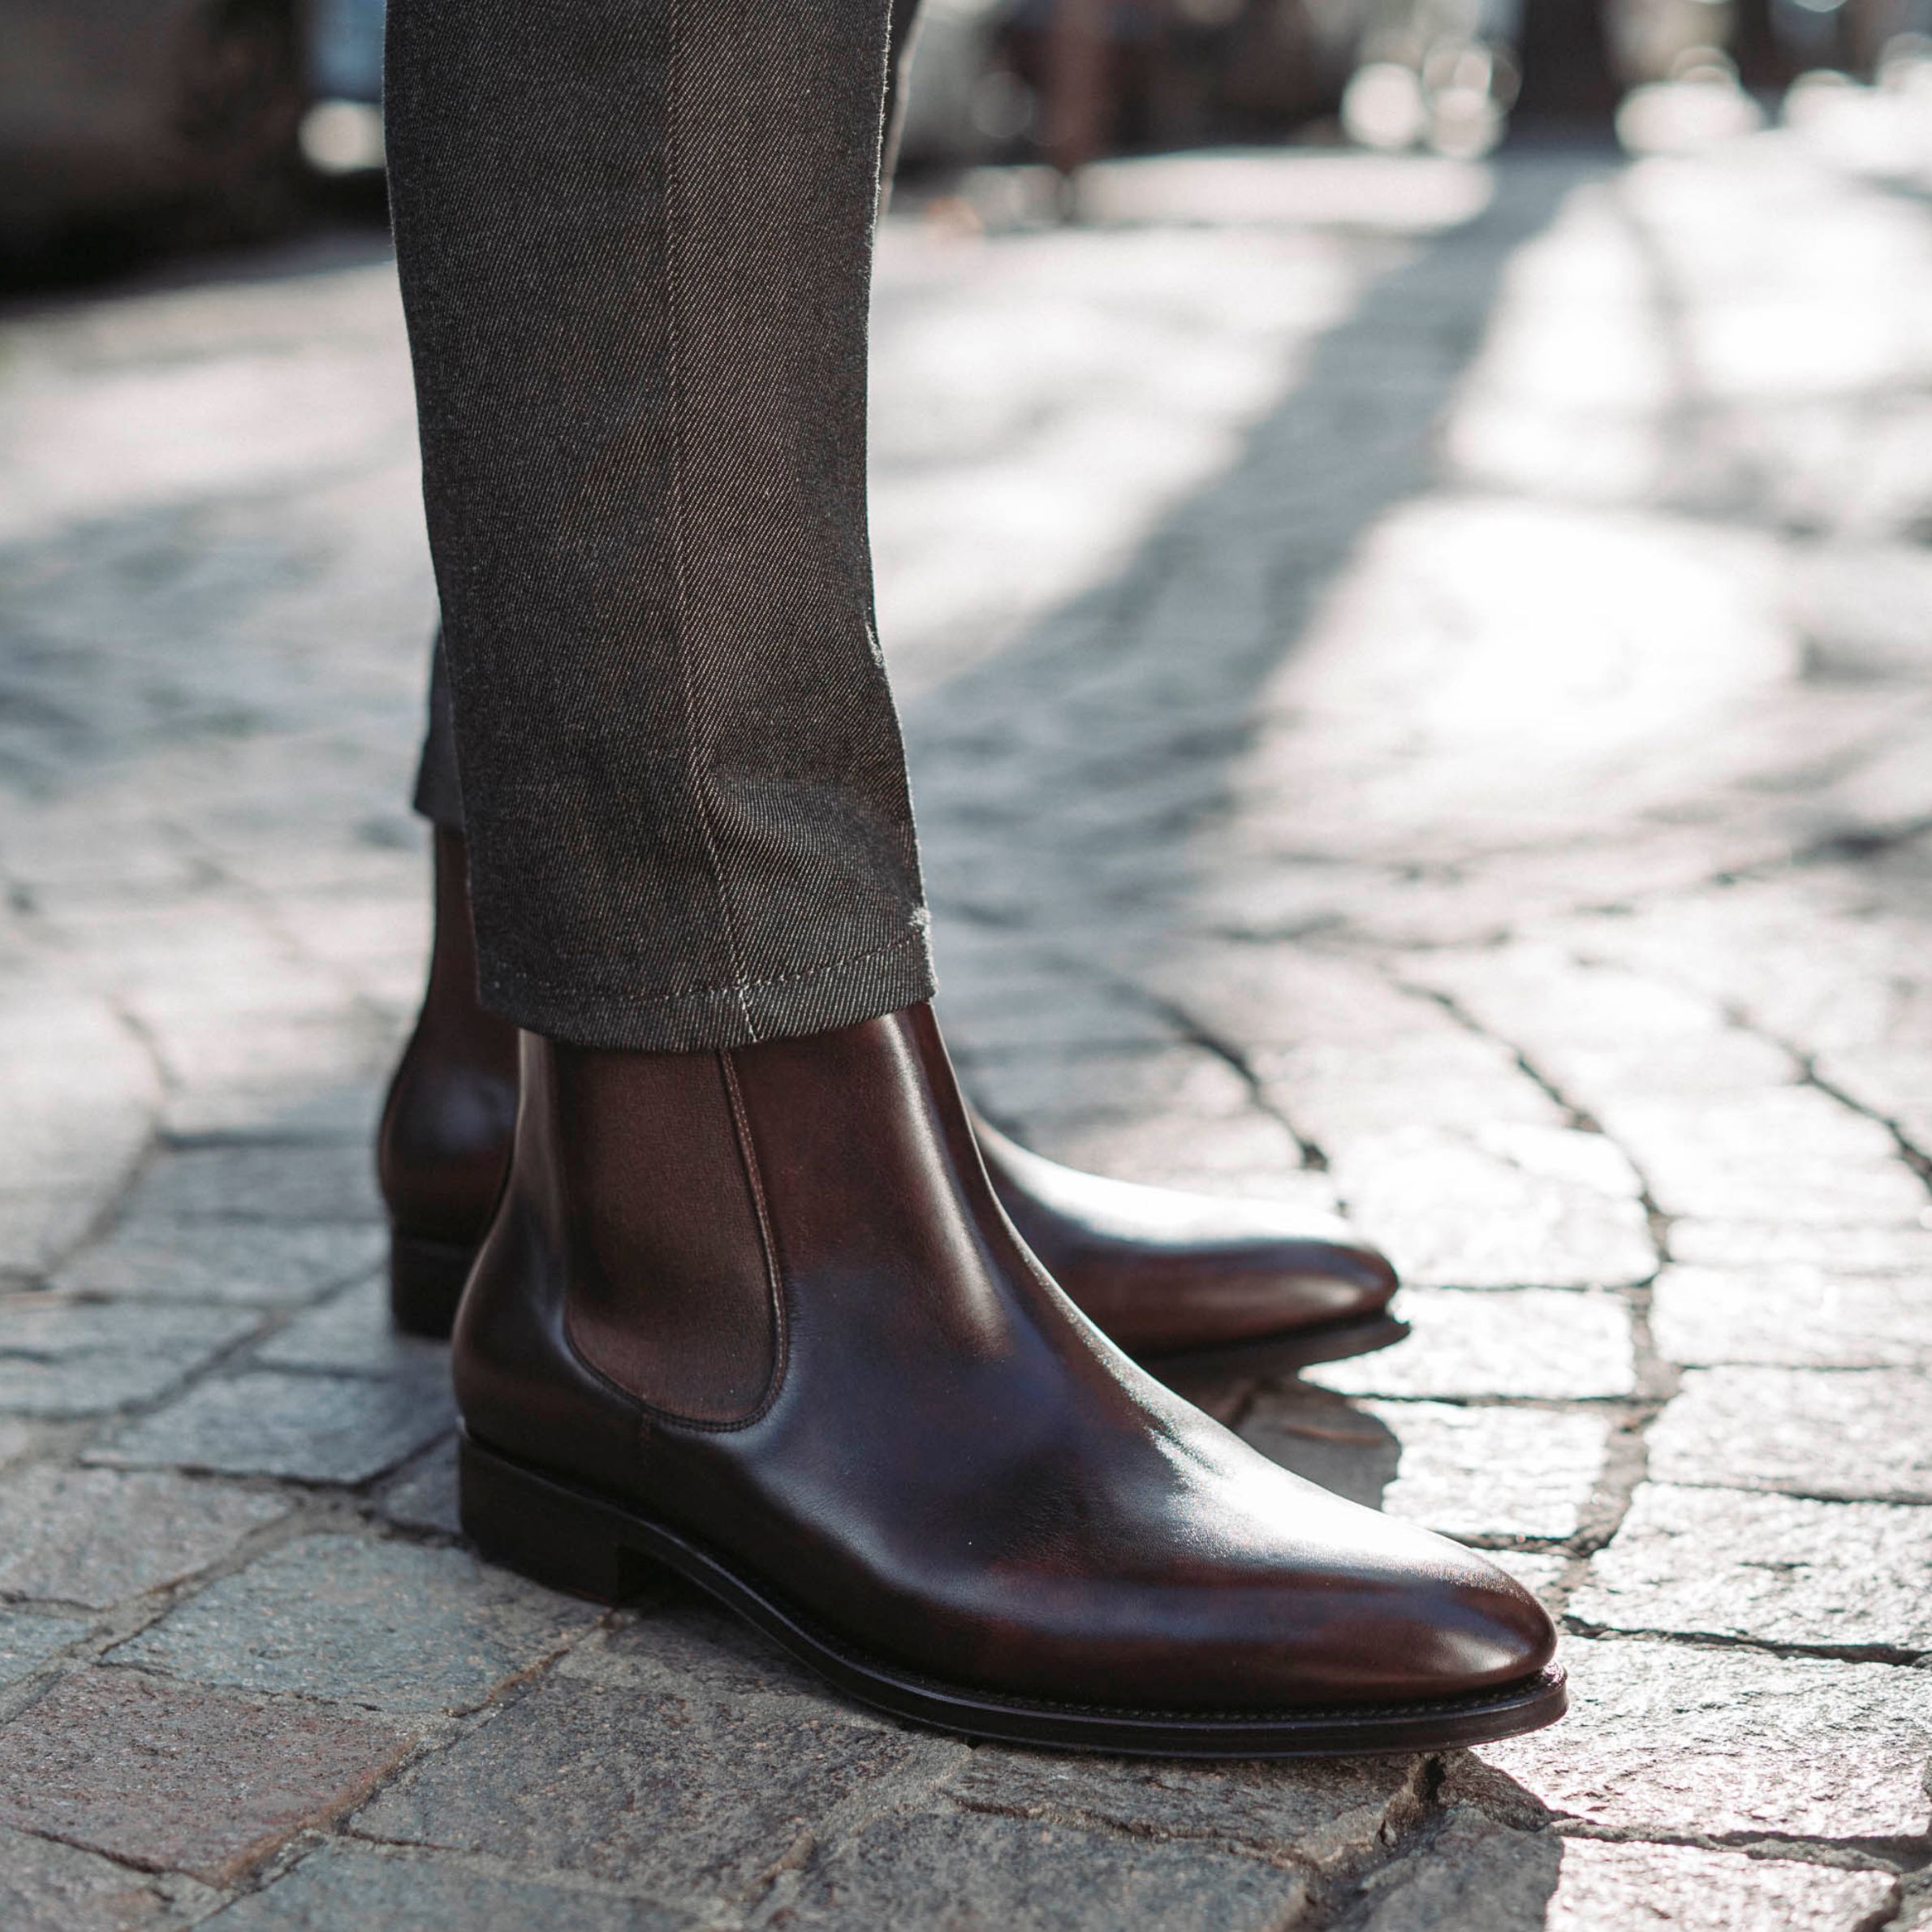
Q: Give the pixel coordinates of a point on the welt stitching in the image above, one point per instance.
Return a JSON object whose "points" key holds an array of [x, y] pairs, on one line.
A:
{"points": [[674, 190]]}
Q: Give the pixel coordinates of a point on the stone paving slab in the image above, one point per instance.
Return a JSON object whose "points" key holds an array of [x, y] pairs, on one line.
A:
{"points": [[364, 1886], [1445, 1078], [1491, 1473], [48, 1886], [1793, 1317], [1538, 1343], [680, 1646], [1899, 1248], [1778, 1570], [116, 1763], [81, 1358], [1250, 1155], [39, 1228], [1474, 1872], [1681, 1740], [673, 1794], [1446, 737], [389, 1625], [80, 1093], [340, 1886], [1855, 1433], [424, 1496], [1520, 1881], [90, 1384], [993, 1870], [1173, 1083], [1341, 1445], [314, 1427], [1709, 1891], [1499, 1207], [314, 1181], [28, 1641], [268, 1262], [96, 1537], [351, 1333], [1313, 1816]]}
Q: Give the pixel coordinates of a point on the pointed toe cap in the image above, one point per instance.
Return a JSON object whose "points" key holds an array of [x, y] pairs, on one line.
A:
{"points": [[1493, 1631], [1407, 1616], [1352, 1277]]}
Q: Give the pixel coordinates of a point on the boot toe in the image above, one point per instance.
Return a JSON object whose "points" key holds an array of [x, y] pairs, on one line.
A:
{"points": [[1239, 1277], [1345, 1276], [1375, 1612], [1459, 1633], [1475, 1628]]}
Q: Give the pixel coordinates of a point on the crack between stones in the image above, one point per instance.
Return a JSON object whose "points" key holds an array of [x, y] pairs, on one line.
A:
{"points": [[1898, 1855], [270, 1322], [1626, 1465], [306, 1842], [1333, 1883], [1917, 1158], [117, 1196], [1314, 1159], [1719, 1640]]}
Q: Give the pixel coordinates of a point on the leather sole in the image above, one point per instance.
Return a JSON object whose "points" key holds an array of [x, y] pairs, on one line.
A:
{"points": [[575, 1540], [425, 1283]]}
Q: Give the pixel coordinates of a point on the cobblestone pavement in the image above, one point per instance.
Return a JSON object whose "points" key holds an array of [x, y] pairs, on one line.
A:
{"points": [[1418, 685]]}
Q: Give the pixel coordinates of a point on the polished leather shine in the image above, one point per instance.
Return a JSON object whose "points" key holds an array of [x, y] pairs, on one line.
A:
{"points": [[1163, 1271], [1174, 1278], [899, 1421]]}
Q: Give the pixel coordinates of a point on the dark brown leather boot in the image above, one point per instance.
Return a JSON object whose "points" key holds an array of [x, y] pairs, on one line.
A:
{"points": [[442, 1145], [1187, 1283], [756, 1316]]}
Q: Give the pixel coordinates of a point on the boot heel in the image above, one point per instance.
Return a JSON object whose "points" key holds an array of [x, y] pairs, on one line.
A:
{"points": [[425, 1283], [555, 1535]]}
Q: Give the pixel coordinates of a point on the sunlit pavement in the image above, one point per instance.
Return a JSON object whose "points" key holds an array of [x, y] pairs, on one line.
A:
{"points": [[1418, 680]]}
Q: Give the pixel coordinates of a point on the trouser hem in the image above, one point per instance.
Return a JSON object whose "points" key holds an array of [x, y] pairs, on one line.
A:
{"points": [[438, 793], [442, 804], [812, 999]]}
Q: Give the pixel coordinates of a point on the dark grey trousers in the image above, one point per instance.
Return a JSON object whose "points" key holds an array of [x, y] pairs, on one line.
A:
{"points": [[634, 243]]}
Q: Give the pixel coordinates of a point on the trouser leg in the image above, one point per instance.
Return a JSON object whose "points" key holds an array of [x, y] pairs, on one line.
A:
{"points": [[438, 794], [634, 238]]}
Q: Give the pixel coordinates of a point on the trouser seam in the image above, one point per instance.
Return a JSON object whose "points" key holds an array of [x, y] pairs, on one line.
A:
{"points": [[694, 760]]}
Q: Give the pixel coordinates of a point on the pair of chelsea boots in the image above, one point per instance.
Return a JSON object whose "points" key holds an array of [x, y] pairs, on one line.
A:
{"points": [[1185, 1284], [775, 1319]]}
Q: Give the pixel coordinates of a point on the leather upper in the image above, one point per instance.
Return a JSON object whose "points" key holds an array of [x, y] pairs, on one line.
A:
{"points": [[1160, 1269], [444, 1139], [901, 1423]]}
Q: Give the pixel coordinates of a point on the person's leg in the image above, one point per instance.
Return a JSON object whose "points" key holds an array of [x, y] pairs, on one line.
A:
{"points": [[747, 1307], [635, 281], [1181, 1281], [438, 792]]}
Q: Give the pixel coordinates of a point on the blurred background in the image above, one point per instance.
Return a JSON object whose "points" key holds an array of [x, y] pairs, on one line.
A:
{"points": [[127, 125]]}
